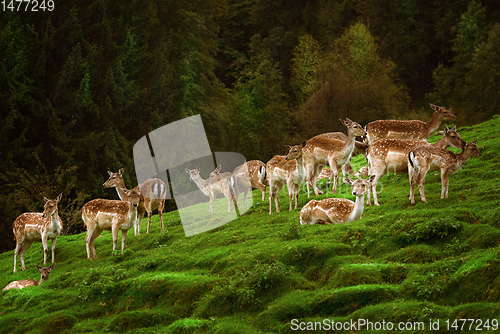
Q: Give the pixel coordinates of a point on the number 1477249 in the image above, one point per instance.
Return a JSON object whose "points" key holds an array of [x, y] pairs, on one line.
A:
{"points": [[27, 5]]}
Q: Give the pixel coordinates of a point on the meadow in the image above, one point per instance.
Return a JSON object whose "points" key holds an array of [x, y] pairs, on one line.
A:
{"points": [[435, 261]]}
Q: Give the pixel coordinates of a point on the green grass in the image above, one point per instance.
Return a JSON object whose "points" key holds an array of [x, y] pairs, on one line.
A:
{"points": [[439, 260]]}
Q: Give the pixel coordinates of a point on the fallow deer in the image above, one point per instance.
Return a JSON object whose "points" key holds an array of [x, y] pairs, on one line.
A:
{"points": [[33, 226], [359, 147], [322, 151], [423, 159], [24, 283], [290, 171], [111, 215], [247, 175], [400, 129], [211, 187], [153, 194], [392, 155], [337, 210]]}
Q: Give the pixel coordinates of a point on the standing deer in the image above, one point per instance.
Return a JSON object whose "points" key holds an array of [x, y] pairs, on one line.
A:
{"points": [[153, 195], [290, 171], [33, 226], [247, 175], [211, 187], [392, 155], [111, 215], [423, 159], [337, 210], [321, 151], [399, 129], [24, 283]]}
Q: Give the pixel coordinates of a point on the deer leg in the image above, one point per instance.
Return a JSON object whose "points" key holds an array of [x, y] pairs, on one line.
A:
{"points": [[413, 180], [53, 249], [26, 244], [16, 252], [335, 175], [45, 247], [421, 184], [161, 206], [140, 214], [374, 187], [92, 238], [150, 213], [114, 232], [124, 237], [444, 184], [211, 210]]}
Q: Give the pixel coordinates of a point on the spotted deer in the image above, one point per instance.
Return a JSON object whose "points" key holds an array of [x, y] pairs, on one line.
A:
{"points": [[37, 227], [153, 194], [290, 171], [110, 215], [326, 173], [401, 129], [359, 147], [323, 151], [392, 155], [423, 159], [247, 175], [337, 210], [211, 187], [24, 283]]}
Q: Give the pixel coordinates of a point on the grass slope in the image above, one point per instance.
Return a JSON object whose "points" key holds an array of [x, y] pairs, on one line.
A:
{"points": [[439, 260]]}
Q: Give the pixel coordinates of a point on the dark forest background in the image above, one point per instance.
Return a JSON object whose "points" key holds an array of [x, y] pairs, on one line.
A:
{"points": [[81, 84]]}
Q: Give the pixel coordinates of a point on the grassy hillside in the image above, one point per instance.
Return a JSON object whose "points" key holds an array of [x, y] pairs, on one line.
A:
{"points": [[422, 263]]}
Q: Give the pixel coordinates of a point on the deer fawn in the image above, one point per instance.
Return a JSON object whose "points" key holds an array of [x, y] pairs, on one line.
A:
{"points": [[153, 195], [399, 129], [337, 210], [111, 215], [211, 187], [287, 170], [392, 154], [321, 151], [32, 226], [247, 175], [423, 159], [24, 283]]}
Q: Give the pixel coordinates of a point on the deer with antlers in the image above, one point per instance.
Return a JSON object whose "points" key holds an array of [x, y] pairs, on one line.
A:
{"points": [[37, 227], [322, 151], [337, 210], [111, 215], [392, 155], [400, 129], [424, 159], [212, 186], [247, 175], [24, 283], [153, 194], [287, 170]]}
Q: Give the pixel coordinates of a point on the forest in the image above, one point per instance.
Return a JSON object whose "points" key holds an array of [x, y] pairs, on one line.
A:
{"points": [[80, 84]]}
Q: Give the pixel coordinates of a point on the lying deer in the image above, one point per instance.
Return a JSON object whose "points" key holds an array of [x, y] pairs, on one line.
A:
{"points": [[24, 283], [337, 210], [290, 171], [423, 159], [35, 227], [322, 151], [247, 175], [392, 155], [211, 187], [111, 215], [153, 195], [399, 129]]}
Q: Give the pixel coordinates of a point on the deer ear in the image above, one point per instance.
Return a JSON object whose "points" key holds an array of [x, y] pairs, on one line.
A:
{"points": [[371, 178], [125, 190], [303, 144], [59, 198], [454, 128], [121, 171], [51, 267], [446, 130], [434, 107], [343, 122], [287, 147], [38, 267], [474, 142], [110, 173], [346, 180], [218, 168], [46, 199]]}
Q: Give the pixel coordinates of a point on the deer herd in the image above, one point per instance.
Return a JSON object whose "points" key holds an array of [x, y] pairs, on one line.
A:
{"points": [[389, 145]]}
